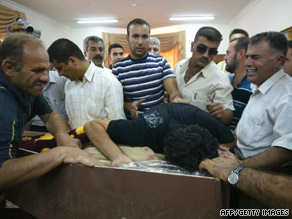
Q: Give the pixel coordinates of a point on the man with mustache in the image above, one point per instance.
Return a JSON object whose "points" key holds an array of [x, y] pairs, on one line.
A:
{"points": [[94, 48], [92, 92], [201, 81], [144, 76], [23, 73]]}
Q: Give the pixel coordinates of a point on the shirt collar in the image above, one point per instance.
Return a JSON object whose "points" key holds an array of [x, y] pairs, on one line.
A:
{"points": [[89, 72], [267, 84]]}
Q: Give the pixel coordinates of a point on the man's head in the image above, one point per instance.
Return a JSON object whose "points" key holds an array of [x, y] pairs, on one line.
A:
{"points": [[66, 57], [288, 61], [94, 48], [265, 56], [235, 54], [115, 52], [25, 62], [154, 46], [236, 34], [205, 45], [187, 145], [138, 32]]}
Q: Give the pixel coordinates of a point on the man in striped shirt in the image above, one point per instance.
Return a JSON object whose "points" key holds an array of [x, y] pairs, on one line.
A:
{"points": [[144, 76]]}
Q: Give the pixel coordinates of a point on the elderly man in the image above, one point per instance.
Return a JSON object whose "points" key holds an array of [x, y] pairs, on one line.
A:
{"points": [[144, 76], [235, 63], [264, 130], [94, 48], [201, 81], [115, 53], [91, 93], [24, 71], [154, 46]]}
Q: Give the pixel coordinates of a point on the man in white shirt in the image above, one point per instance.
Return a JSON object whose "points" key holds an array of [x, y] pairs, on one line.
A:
{"points": [[91, 93], [201, 81], [264, 131]]}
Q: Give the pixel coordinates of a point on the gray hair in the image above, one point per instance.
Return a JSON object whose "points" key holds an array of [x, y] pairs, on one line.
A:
{"points": [[155, 41], [94, 39], [12, 48]]}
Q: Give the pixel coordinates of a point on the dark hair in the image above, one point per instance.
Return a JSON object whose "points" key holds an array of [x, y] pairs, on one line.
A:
{"points": [[290, 43], [12, 48], [277, 41], [210, 33], [62, 49], [240, 31], [187, 145], [241, 43], [137, 21], [112, 46], [94, 39]]}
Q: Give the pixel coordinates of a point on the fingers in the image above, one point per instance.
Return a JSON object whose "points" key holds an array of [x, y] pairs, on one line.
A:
{"points": [[138, 102]]}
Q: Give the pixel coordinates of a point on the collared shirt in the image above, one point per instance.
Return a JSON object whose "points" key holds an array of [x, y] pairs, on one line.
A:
{"points": [[266, 120], [240, 95], [54, 92], [15, 111], [143, 79], [210, 85], [98, 96]]}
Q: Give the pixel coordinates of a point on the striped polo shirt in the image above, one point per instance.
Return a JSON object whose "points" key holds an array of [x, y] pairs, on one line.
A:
{"points": [[240, 95], [143, 79]]}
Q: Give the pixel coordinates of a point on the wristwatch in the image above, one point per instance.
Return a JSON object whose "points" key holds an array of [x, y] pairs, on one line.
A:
{"points": [[233, 176]]}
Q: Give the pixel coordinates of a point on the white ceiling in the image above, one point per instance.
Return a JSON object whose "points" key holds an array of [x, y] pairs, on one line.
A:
{"points": [[155, 12]]}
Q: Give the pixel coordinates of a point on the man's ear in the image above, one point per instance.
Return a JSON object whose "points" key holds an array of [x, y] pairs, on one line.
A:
{"points": [[192, 45], [85, 53], [8, 67], [280, 60], [73, 60], [241, 54]]}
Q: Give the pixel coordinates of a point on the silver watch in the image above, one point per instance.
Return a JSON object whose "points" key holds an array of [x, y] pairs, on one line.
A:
{"points": [[233, 176]]}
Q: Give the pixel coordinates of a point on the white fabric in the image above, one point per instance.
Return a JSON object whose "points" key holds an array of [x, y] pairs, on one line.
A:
{"points": [[54, 92], [267, 118], [210, 85], [98, 96]]}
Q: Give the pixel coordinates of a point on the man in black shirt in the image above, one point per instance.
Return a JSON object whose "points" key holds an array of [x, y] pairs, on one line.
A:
{"points": [[173, 128]]}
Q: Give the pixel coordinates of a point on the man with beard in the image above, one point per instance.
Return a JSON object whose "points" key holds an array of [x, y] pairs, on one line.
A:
{"points": [[94, 48], [92, 92], [144, 76], [201, 81], [235, 63]]}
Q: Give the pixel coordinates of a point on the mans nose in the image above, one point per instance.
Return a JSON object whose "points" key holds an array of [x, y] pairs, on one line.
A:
{"points": [[44, 77]]}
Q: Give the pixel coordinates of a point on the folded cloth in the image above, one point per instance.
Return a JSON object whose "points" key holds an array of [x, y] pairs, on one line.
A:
{"points": [[135, 153], [37, 143]]}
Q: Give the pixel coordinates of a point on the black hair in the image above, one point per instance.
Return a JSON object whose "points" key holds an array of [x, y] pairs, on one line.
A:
{"points": [[62, 49], [242, 43], [187, 145], [137, 21], [240, 31], [210, 33], [112, 46], [277, 41]]}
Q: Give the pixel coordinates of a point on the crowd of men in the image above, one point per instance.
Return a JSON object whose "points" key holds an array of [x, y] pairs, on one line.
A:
{"points": [[139, 100]]}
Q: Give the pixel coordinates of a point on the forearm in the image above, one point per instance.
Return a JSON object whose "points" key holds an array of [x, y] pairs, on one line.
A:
{"points": [[98, 135], [272, 190], [56, 125], [274, 157], [20, 170]]}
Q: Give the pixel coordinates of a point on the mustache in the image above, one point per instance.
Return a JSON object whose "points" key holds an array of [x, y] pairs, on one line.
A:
{"points": [[97, 57], [203, 59]]}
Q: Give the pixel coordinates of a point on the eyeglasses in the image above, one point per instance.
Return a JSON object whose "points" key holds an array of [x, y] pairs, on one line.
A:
{"points": [[202, 49]]}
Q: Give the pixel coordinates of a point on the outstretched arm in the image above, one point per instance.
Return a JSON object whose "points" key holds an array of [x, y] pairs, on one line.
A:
{"points": [[19, 170], [272, 190], [96, 132]]}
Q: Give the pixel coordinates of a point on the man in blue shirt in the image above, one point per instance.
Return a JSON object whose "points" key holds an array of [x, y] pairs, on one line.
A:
{"points": [[23, 74], [144, 76], [235, 63]]}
